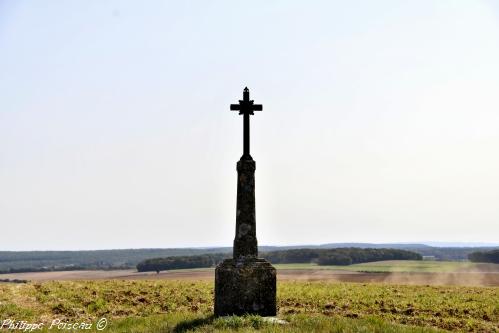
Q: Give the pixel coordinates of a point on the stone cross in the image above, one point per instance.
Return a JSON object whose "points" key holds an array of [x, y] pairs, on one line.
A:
{"points": [[246, 108], [245, 283]]}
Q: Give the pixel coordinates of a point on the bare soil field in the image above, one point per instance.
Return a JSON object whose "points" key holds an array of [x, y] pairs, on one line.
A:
{"points": [[410, 278]]}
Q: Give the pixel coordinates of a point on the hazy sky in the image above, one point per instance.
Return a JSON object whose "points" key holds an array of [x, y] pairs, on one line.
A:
{"points": [[380, 121]]}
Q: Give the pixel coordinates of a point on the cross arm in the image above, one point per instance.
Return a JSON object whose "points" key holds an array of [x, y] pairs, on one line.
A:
{"points": [[246, 108]]}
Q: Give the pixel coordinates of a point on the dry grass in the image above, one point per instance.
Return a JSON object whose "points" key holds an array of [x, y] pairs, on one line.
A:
{"points": [[320, 306]]}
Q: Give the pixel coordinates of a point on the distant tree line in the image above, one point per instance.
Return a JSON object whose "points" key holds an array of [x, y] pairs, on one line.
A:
{"points": [[46, 261], [42, 261], [341, 256], [180, 262], [485, 256], [446, 253], [58, 268]]}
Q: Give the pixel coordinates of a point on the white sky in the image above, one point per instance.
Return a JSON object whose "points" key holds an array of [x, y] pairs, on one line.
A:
{"points": [[380, 121]]}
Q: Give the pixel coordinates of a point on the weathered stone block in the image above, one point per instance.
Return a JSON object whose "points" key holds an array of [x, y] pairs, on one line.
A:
{"points": [[245, 286]]}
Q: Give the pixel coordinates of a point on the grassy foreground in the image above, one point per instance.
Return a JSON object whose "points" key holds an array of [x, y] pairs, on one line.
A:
{"points": [[181, 306]]}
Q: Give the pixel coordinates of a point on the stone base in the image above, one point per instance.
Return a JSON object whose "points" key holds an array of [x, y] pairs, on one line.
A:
{"points": [[246, 286]]}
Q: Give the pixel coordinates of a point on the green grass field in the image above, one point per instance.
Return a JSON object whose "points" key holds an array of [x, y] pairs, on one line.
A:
{"points": [[181, 306], [401, 266]]}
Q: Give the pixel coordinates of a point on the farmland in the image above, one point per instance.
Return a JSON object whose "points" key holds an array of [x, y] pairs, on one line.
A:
{"points": [[408, 266], [389, 296], [391, 272], [176, 306]]}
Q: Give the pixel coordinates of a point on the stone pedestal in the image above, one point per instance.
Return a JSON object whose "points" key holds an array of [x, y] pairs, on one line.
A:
{"points": [[245, 286]]}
